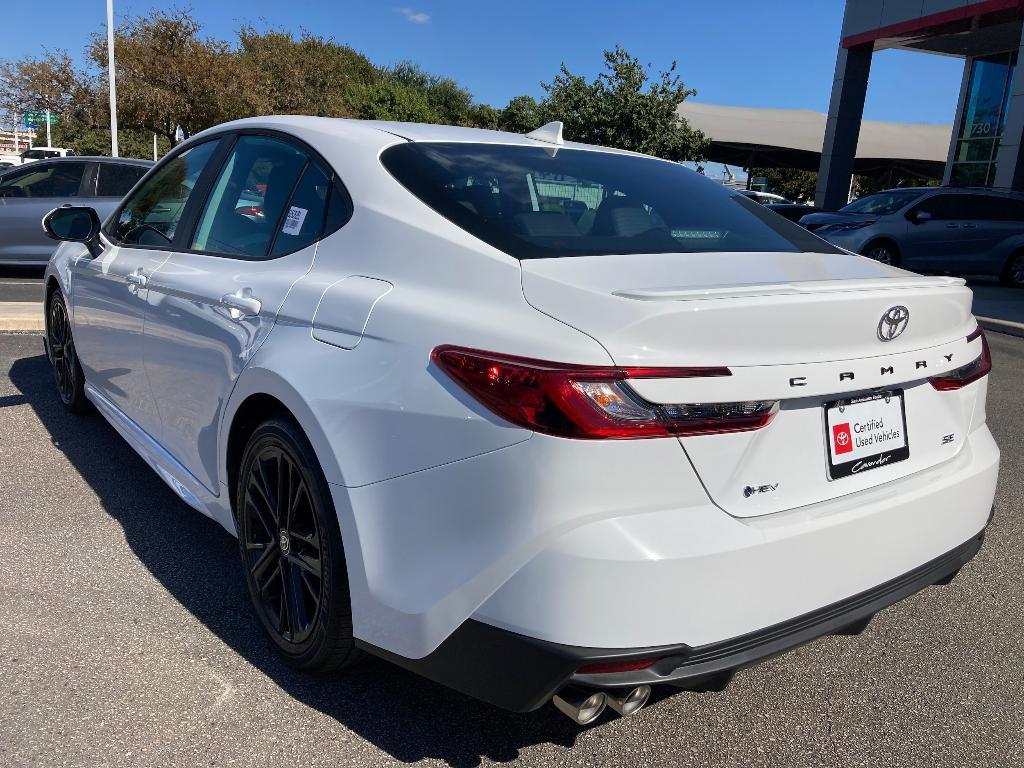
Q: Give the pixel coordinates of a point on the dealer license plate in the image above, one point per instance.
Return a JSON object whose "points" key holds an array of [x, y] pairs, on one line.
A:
{"points": [[865, 433]]}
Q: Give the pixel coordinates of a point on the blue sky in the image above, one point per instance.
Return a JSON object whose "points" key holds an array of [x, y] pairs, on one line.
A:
{"points": [[737, 52]]}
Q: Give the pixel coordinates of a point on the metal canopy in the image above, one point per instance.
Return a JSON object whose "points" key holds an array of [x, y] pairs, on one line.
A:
{"points": [[793, 138]]}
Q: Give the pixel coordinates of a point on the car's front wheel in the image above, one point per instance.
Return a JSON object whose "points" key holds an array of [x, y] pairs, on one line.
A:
{"points": [[292, 550], [1013, 271], [884, 253], [60, 347]]}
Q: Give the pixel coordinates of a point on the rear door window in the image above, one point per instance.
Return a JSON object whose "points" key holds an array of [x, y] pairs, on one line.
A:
{"points": [[537, 202], [303, 222], [249, 198], [999, 208], [117, 179]]}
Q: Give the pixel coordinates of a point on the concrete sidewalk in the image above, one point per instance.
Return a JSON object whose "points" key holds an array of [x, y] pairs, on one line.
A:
{"points": [[21, 316], [999, 308]]}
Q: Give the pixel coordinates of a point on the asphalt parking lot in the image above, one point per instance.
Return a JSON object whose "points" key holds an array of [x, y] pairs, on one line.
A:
{"points": [[126, 639]]}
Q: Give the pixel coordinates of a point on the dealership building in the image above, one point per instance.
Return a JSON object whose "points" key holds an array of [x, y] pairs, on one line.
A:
{"points": [[987, 144]]}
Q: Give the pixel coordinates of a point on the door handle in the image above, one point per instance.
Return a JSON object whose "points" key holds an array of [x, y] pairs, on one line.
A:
{"points": [[137, 278], [952, 225], [969, 226], [243, 303]]}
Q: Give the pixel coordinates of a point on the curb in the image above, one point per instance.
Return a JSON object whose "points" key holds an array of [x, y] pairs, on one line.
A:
{"points": [[1002, 326], [21, 316]]}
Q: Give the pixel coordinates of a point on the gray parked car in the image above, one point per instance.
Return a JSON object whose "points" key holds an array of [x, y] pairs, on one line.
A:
{"points": [[971, 231], [29, 192]]}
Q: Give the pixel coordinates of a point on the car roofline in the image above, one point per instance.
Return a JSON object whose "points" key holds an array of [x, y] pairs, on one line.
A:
{"points": [[97, 159], [410, 132]]}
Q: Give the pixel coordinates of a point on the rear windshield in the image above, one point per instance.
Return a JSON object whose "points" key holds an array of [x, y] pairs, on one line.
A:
{"points": [[883, 203], [536, 202]]}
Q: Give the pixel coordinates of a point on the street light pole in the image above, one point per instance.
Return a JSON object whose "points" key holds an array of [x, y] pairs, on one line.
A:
{"points": [[111, 78]]}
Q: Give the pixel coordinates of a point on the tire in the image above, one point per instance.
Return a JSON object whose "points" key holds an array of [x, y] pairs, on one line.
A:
{"points": [[291, 549], [60, 348], [882, 252], [1013, 270]]}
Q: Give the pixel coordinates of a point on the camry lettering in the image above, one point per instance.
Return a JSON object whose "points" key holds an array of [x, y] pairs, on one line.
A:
{"points": [[884, 370]]}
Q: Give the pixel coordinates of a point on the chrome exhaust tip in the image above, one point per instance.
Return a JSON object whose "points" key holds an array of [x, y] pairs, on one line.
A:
{"points": [[632, 702], [581, 706]]}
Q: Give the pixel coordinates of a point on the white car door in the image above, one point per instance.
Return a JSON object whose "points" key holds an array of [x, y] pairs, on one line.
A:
{"points": [[109, 292], [213, 303]]}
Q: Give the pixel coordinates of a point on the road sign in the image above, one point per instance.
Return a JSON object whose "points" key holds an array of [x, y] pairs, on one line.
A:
{"points": [[39, 117]]}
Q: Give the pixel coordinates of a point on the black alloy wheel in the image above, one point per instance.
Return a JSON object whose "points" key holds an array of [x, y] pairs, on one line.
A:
{"points": [[291, 550], [1013, 272], [60, 346], [883, 253]]}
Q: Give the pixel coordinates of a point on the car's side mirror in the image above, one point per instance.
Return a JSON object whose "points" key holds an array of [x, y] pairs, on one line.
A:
{"points": [[919, 217], [74, 224]]}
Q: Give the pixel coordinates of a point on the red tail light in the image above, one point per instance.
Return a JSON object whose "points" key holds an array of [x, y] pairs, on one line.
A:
{"points": [[591, 402], [966, 374]]}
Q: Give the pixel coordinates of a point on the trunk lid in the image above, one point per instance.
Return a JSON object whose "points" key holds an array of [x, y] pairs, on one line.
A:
{"points": [[800, 328]]}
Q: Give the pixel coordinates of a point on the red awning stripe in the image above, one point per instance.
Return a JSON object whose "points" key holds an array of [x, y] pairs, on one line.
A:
{"points": [[923, 24]]}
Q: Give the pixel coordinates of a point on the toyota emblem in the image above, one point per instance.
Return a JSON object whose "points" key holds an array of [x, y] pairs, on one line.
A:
{"points": [[893, 323]]}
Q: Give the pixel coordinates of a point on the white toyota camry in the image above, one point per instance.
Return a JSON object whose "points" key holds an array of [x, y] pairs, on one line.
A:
{"points": [[538, 420]]}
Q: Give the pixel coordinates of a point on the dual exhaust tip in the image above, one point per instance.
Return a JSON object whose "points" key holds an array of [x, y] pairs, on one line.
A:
{"points": [[584, 706]]}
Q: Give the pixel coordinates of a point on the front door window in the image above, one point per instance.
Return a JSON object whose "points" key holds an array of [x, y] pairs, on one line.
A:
{"points": [[150, 216]]}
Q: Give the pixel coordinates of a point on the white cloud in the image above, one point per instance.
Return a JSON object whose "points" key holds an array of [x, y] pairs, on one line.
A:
{"points": [[416, 17]]}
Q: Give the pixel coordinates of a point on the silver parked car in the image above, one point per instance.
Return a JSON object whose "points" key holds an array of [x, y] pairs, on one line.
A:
{"points": [[27, 193], [971, 231]]}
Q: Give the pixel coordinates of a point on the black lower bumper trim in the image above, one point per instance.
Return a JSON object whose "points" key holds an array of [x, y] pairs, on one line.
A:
{"points": [[521, 673]]}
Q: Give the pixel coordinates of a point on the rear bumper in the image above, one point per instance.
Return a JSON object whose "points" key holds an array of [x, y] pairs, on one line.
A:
{"points": [[521, 673]]}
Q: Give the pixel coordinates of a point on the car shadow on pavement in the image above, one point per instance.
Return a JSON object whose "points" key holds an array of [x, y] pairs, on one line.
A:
{"points": [[405, 715]]}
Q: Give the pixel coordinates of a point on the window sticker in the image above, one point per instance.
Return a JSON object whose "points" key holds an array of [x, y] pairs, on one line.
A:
{"points": [[293, 221]]}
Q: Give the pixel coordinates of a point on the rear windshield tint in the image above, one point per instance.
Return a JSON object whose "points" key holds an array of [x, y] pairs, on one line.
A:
{"points": [[535, 202]]}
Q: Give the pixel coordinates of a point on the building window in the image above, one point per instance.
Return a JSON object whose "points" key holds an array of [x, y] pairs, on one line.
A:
{"points": [[984, 116]]}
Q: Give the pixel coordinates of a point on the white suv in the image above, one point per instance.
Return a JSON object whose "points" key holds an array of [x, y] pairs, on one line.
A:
{"points": [[539, 420]]}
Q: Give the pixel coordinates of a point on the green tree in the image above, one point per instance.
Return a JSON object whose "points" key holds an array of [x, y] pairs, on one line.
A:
{"points": [[448, 101], [484, 116], [792, 183], [53, 83], [390, 99], [169, 76], [625, 107], [311, 75], [522, 115]]}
